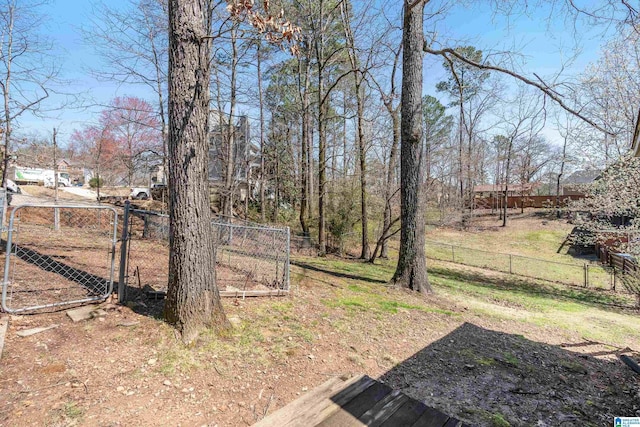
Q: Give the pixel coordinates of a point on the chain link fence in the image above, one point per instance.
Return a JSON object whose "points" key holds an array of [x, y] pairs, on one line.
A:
{"points": [[3, 208], [585, 274], [58, 255], [251, 259]]}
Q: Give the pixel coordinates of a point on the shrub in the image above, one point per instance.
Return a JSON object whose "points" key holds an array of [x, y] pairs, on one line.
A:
{"points": [[96, 182]]}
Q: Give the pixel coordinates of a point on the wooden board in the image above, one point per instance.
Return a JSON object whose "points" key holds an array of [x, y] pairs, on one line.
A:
{"points": [[358, 406], [290, 413], [406, 415], [263, 293], [431, 417], [324, 408], [384, 409], [360, 401]]}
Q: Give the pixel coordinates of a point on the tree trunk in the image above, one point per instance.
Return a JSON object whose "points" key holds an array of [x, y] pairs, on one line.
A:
{"points": [[358, 79], [304, 148], [229, 179], [193, 300], [276, 199], [263, 206], [394, 112], [322, 171], [635, 145], [506, 183], [364, 254], [345, 160], [323, 109], [564, 159], [411, 271], [460, 156], [163, 119], [388, 191], [6, 86]]}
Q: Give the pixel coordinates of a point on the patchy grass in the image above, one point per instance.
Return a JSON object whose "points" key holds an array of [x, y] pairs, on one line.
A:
{"points": [[528, 235], [355, 272], [498, 421], [524, 235], [334, 324], [522, 291], [377, 299], [542, 263], [510, 358], [72, 411], [597, 315]]}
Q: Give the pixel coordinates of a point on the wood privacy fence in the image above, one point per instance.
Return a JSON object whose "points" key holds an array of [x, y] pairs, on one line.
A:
{"points": [[623, 263], [514, 202]]}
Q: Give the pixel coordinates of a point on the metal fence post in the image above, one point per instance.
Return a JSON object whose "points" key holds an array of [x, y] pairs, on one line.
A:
{"points": [[4, 203], [287, 266], [453, 254], [123, 253], [7, 262], [614, 279], [273, 249], [584, 273], [587, 275], [510, 264]]}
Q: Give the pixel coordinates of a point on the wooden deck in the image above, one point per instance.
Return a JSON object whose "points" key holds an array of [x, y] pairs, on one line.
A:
{"points": [[359, 401]]}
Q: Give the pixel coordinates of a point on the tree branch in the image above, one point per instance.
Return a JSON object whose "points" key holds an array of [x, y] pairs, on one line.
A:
{"points": [[448, 52]]}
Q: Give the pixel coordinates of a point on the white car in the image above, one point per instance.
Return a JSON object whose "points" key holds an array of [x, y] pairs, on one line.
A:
{"points": [[12, 187], [140, 193]]}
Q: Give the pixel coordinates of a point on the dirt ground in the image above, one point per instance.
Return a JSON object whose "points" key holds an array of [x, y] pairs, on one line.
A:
{"points": [[127, 368]]}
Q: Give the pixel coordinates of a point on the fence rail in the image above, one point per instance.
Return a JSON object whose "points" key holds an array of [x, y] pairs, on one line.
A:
{"points": [[585, 274]]}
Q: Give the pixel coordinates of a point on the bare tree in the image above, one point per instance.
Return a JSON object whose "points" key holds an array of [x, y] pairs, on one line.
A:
{"points": [[134, 45], [360, 69], [611, 93], [389, 101], [521, 124], [260, 54], [230, 137], [27, 72]]}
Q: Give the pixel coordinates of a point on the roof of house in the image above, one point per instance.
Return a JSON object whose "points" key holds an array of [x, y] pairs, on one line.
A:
{"points": [[486, 188], [585, 176]]}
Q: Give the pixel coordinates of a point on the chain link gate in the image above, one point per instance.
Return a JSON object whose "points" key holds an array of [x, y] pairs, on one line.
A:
{"points": [[58, 255]]}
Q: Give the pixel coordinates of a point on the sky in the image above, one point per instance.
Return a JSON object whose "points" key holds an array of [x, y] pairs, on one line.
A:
{"points": [[542, 42]]}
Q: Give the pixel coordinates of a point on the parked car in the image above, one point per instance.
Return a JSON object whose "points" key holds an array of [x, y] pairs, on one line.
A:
{"points": [[140, 193], [12, 187]]}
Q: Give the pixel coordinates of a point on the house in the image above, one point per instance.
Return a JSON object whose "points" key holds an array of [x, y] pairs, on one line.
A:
{"points": [[489, 190], [63, 165], [577, 183], [243, 157], [77, 171]]}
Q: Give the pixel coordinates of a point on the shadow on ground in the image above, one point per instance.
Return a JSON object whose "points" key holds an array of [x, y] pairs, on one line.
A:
{"points": [[334, 273], [601, 298], [490, 378]]}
